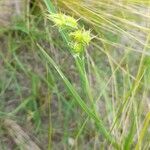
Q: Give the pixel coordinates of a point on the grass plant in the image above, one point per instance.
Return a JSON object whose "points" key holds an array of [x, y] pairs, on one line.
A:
{"points": [[76, 75]]}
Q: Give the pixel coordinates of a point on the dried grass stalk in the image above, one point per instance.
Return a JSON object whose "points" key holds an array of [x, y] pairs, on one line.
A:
{"points": [[19, 136]]}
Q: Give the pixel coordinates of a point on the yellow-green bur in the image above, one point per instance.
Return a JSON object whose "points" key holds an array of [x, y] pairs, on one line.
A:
{"points": [[63, 21]]}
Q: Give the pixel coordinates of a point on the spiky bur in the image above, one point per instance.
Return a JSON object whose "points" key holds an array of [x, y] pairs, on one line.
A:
{"points": [[78, 39], [81, 36], [63, 21], [81, 40], [76, 47]]}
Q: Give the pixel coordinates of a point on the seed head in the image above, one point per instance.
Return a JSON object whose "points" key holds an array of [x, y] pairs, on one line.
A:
{"points": [[81, 36], [78, 47], [63, 21]]}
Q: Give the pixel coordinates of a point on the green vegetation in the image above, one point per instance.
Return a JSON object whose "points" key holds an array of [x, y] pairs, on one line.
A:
{"points": [[76, 75]]}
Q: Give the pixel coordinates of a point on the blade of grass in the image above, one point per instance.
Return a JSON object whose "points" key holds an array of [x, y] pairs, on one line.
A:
{"points": [[143, 131], [21, 106], [78, 99]]}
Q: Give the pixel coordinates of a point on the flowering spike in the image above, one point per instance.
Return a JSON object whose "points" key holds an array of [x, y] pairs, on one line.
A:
{"points": [[63, 21], [77, 47], [78, 39], [81, 36]]}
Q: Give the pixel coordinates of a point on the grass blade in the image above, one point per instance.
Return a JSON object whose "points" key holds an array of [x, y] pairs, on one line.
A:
{"points": [[78, 99]]}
